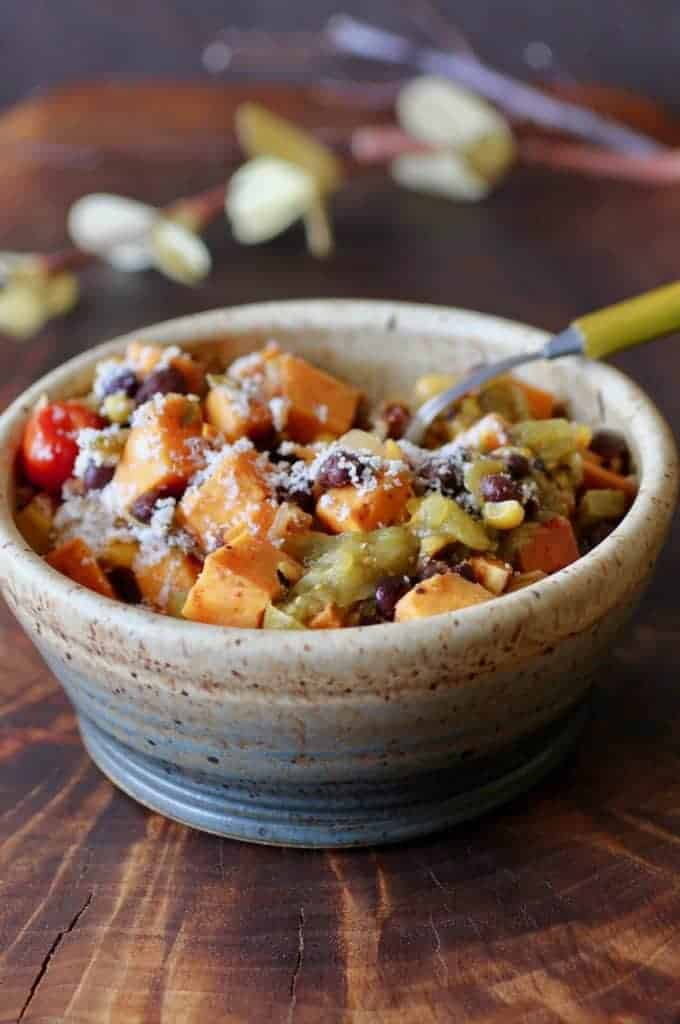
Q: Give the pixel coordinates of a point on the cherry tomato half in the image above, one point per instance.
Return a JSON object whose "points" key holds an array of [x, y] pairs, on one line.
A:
{"points": [[49, 447]]}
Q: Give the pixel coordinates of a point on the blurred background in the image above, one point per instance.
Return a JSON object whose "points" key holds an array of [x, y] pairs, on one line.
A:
{"points": [[547, 243], [624, 42]]}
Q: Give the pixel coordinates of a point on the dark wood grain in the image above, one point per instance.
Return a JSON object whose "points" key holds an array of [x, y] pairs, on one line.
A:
{"points": [[565, 906]]}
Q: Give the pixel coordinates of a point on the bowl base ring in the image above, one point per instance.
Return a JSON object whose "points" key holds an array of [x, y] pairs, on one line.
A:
{"points": [[360, 816]]}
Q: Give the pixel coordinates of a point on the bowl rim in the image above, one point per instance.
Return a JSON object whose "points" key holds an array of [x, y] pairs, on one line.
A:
{"points": [[649, 515]]}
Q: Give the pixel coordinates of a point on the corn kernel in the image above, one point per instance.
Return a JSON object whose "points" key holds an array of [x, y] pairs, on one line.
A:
{"points": [[433, 384], [118, 407], [393, 451], [583, 435], [503, 515]]}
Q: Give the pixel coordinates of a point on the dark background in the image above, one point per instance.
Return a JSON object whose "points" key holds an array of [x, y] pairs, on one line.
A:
{"points": [[631, 42]]}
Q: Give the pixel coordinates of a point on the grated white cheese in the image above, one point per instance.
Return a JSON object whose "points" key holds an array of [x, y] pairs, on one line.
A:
{"points": [[106, 371], [94, 449], [279, 408]]}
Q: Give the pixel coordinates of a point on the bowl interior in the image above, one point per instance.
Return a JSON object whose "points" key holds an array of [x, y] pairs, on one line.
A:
{"points": [[384, 347]]}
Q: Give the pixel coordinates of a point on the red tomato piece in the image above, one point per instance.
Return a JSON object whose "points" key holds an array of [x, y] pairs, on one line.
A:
{"points": [[49, 447]]}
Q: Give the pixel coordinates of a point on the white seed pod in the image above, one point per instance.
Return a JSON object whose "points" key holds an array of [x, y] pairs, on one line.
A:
{"points": [[444, 174], [62, 292], [455, 121], [114, 227], [436, 111], [265, 196], [23, 309], [179, 253]]}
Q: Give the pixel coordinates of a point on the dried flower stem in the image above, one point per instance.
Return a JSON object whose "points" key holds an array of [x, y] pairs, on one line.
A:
{"points": [[53, 263], [197, 211], [355, 37], [661, 169]]}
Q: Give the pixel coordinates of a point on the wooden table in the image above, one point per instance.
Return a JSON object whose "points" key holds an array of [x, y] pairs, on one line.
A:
{"points": [[564, 906]]}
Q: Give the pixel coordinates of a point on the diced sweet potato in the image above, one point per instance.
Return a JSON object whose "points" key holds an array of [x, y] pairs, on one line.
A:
{"points": [[119, 554], [75, 559], [289, 521], [236, 414], [236, 494], [144, 358], [596, 477], [165, 584], [34, 521], [254, 364], [491, 573], [548, 546], [238, 581], [163, 450], [319, 404], [330, 617], [520, 580], [541, 403], [487, 434], [350, 508], [447, 592]]}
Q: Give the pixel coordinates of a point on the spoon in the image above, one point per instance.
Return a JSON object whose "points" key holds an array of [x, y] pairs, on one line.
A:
{"points": [[595, 335]]}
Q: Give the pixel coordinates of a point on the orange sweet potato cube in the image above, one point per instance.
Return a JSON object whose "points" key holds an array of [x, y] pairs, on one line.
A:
{"points": [[320, 405], [166, 583], [551, 546], [238, 581], [486, 434], [144, 358], [350, 508], [236, 494], [75, 559], [541, 403], [163, 449], [447, 592], [236, 414], [330, 617]]}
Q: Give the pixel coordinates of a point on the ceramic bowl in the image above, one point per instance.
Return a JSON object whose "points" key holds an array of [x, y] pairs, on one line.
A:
{"points": [[359, 736]]}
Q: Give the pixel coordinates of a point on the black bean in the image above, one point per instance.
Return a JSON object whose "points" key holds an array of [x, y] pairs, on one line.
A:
{"points": [[499, 487], [433, 567], [612, 446], [387, 592], [125, 585], [446, 474], [465, 570], [531, 508], [125, 381], [278, 457], [517, 465], [142, 508], [96, 477], [336, 470], [265, 441], [397, 417], [162, 382], [298, 496]]}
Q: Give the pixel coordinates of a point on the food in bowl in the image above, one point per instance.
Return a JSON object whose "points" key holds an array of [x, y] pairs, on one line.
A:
{"points": [[265, 494]]}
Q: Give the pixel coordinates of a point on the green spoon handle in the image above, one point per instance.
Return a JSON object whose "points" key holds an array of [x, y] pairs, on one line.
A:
{"points": [[629, 323]]}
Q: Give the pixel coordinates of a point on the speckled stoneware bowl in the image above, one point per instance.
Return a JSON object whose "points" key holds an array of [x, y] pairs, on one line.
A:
{"points": [[352, 736]]}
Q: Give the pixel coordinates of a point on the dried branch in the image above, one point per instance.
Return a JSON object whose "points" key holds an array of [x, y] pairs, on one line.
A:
{"points": [[355, 37], [662, 169]]}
